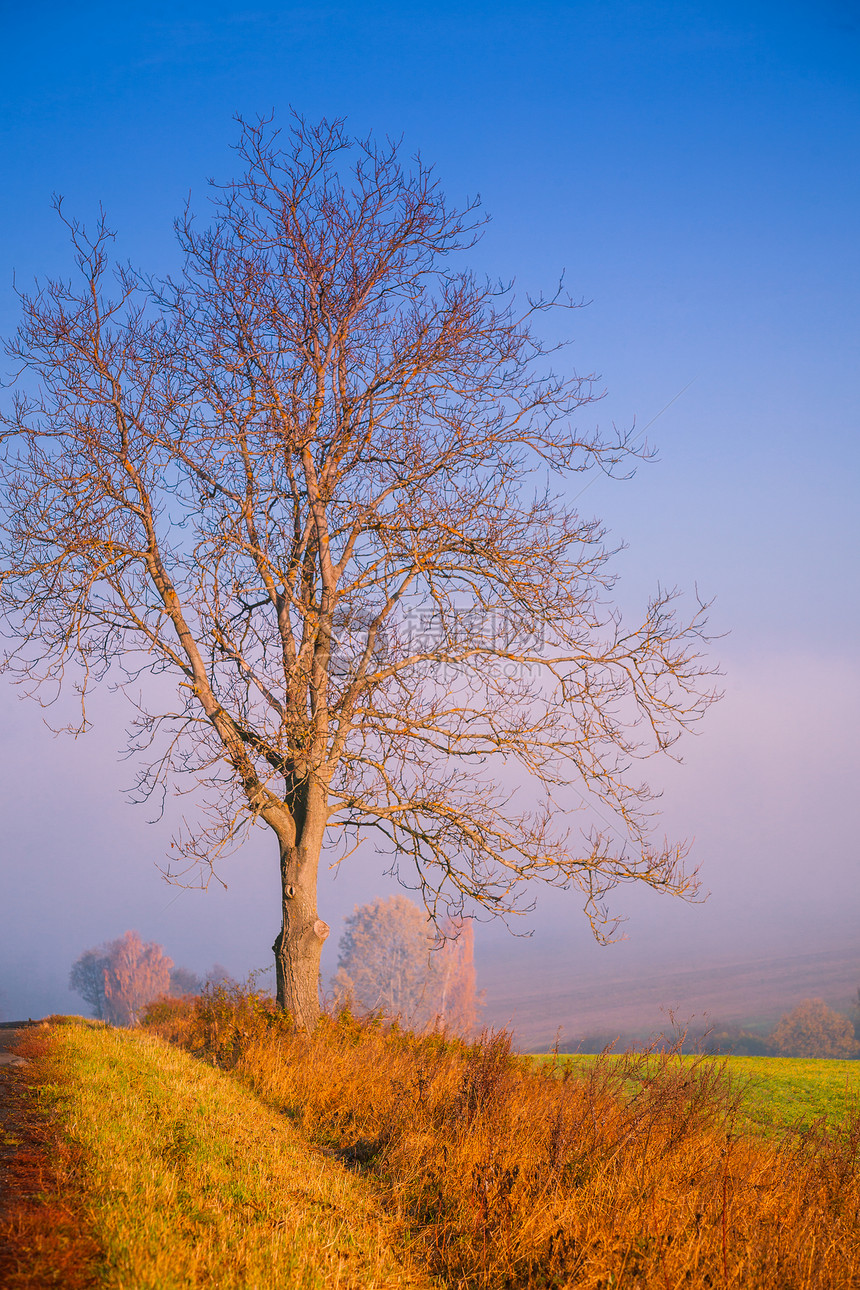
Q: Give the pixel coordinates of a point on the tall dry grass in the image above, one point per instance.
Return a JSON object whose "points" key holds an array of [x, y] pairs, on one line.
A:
{"points": [[630, 1174]]}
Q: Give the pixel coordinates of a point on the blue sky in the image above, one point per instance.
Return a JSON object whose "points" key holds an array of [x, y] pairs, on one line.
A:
{"points": [[693, 169]]}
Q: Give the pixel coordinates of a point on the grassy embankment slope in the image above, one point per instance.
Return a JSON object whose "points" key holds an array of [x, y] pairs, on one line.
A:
{"points": [[477, 1165], [184, 1178]]}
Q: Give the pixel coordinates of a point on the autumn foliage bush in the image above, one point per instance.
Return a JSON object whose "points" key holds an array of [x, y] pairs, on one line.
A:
{"points": [[630, 1173], [119, 978]]}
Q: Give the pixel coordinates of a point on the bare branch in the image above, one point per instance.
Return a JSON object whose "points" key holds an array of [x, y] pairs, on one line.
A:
{"points": [[320, 481]]}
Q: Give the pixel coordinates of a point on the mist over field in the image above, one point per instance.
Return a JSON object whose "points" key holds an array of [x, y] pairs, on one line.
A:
{"points": [[778, 925], [695, 174]]}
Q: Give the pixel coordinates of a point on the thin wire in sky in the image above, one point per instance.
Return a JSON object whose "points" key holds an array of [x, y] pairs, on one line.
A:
{"points": [[656, 417]]}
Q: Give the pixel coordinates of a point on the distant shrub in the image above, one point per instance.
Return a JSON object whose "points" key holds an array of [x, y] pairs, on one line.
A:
{"points": [[814, 1030], [736, 1042], [184, 983]]}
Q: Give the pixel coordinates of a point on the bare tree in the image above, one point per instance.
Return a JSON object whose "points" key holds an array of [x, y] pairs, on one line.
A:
{"points": [[317, 481], [394, 960], [385, 959], [87, 978], [137, 972]]}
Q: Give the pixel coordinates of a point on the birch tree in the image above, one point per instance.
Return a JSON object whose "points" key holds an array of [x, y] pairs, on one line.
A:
{"points": [[394, 960], [316, 486]]}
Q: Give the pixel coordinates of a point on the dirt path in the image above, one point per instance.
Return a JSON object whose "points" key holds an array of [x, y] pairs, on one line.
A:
{"points": [[44, 1240], [11, 1033], [11, 1127], [24, 1167]]}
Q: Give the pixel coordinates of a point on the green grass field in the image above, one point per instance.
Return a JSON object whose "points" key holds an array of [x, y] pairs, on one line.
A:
{"points": [[791, 1092], [782, 1093]]}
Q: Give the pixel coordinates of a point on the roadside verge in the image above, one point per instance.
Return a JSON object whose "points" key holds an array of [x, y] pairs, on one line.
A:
{"points": [[182, 1177]]}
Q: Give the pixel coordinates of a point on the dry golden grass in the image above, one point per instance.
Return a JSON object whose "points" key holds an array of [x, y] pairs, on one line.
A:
{"points": [[631, 1174], [184, 1178]]}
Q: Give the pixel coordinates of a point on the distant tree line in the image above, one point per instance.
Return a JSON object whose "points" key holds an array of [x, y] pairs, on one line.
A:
{"points": [[812, 1029], [393, 960]]}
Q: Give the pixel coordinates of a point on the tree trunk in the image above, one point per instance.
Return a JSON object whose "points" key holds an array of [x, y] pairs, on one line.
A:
{"points": [[300, 941]]}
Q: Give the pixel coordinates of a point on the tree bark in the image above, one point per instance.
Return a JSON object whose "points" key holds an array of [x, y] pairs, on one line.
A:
{"points": [[299, 943]]}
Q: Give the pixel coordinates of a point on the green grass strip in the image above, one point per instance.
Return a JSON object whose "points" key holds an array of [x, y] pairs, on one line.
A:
{"points": [[779, 1093], [189, 1180], [793, 1092]]}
